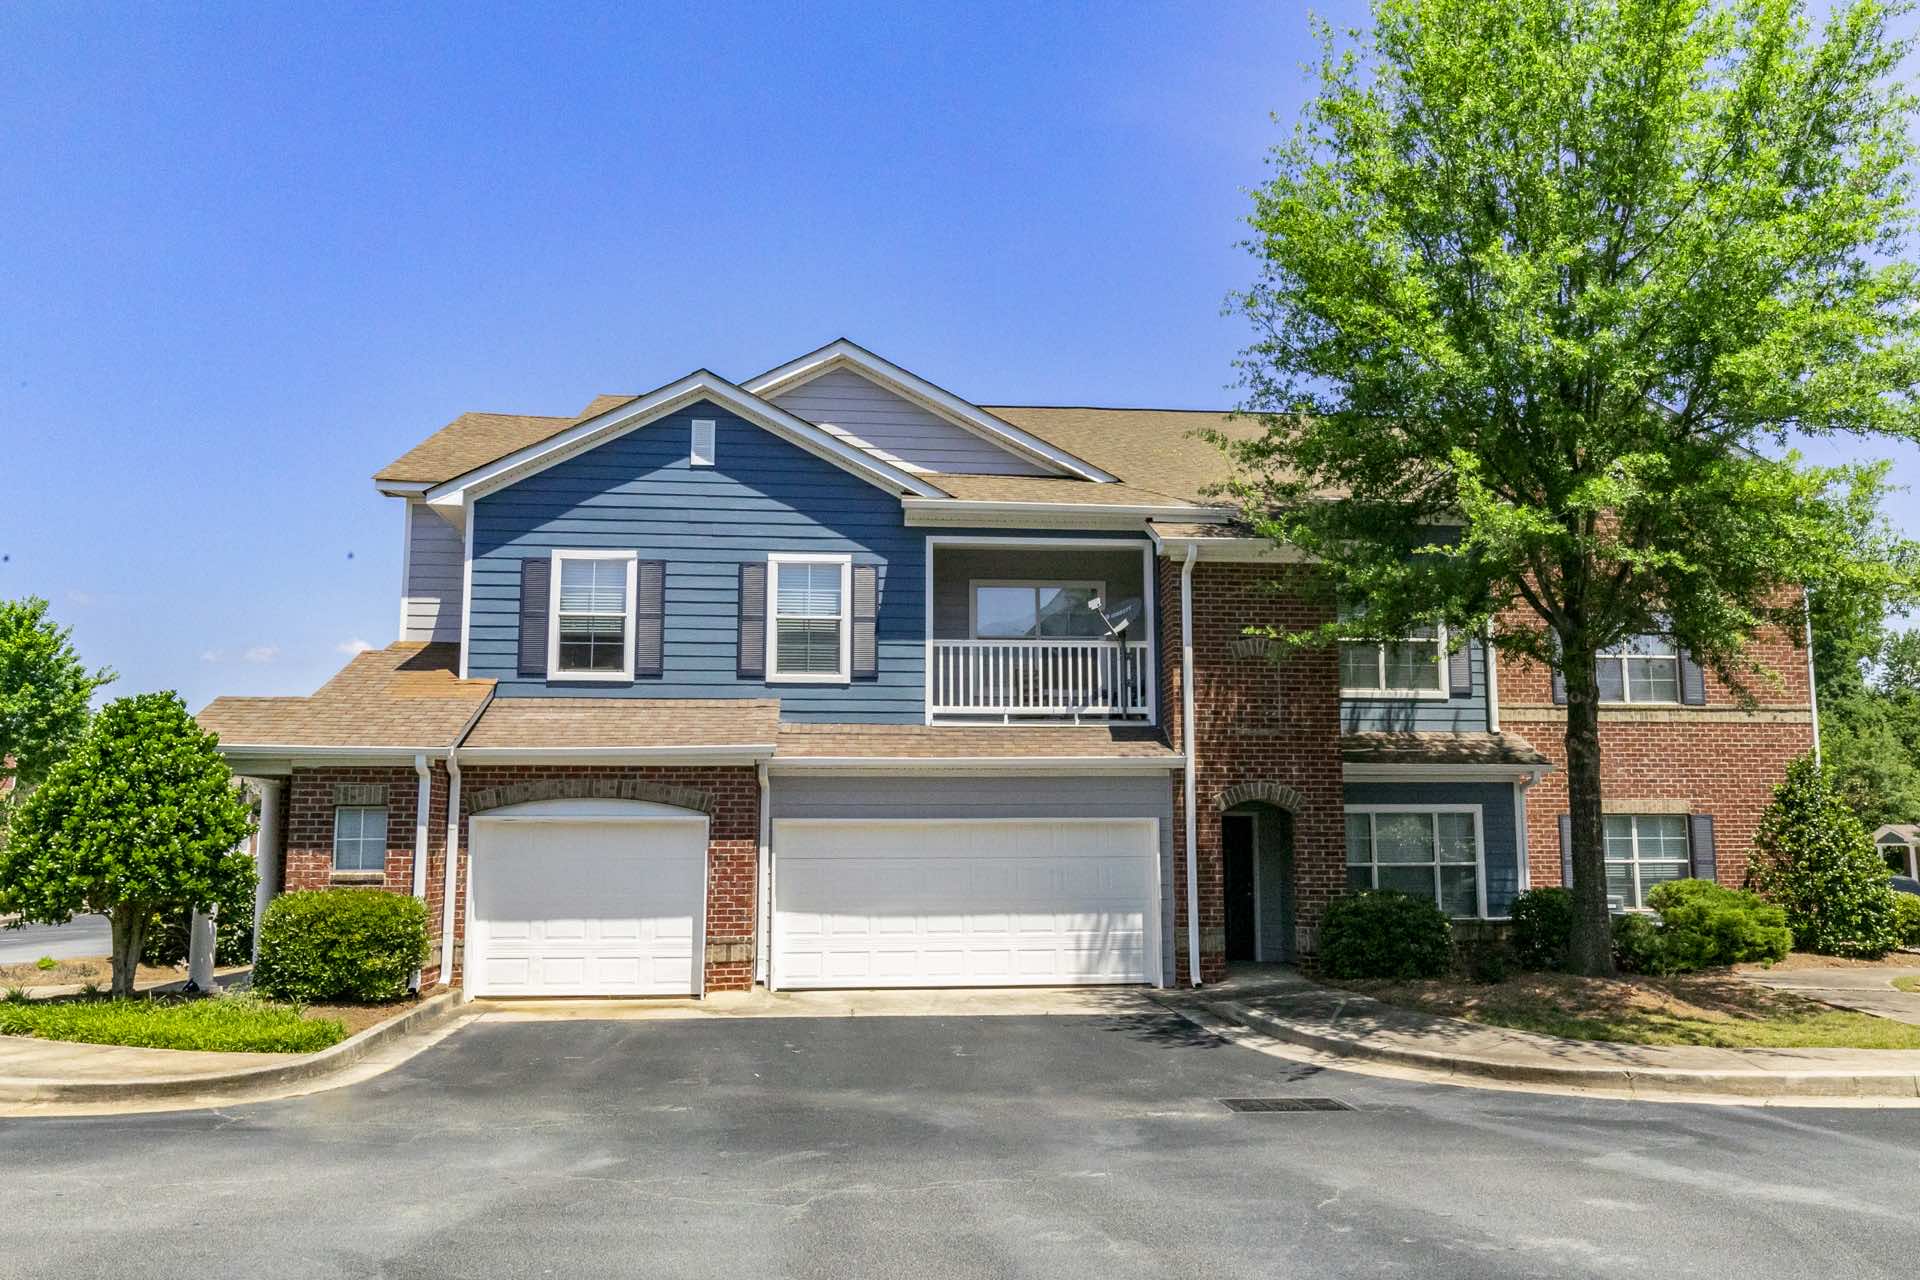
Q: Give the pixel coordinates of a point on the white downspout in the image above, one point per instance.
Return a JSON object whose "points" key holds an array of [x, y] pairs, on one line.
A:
{"points": [[764, 916], [1189, 750], [1813, 695], [453, 865], [422, 802]]}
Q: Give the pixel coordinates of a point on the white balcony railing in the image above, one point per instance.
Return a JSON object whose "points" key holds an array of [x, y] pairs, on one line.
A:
{"points": [[1097, 679]]}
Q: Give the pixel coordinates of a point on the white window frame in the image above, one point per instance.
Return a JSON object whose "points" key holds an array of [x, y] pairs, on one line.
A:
{"points": [[1434, 810], [554, 672], [1618, 653], [1440, 694], [386, 821], [844, 674], [1099, 589], [697, 456], [1639, 893]]}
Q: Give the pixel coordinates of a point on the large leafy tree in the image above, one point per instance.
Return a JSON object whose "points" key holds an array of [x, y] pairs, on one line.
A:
{"points": [[141, 816], [44, 689], [1547, 289]]}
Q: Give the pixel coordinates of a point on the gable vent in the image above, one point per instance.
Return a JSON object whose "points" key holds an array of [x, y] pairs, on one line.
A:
{"points": [[701, 454]]}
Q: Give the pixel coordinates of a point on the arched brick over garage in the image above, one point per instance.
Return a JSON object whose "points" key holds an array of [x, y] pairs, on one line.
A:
{"points": [[577, 788]]}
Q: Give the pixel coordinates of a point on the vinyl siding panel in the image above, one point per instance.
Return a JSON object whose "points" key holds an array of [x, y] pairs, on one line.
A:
{"points": [[1424, 715], [1502, 854], [903, 432], [925, 796], [435, 573], [762, 495]]}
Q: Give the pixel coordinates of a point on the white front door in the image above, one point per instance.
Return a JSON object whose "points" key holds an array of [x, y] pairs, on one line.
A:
{"points": [[952, 903], [591, 905]]}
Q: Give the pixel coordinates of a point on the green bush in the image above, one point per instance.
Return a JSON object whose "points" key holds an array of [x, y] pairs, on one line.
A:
{"points": [[1814, 858], [1542, 928], [1638, 946], [1906, 919], [166, 941], [231, 1023], [340, 944], [1704, 925], [1379, 934]]}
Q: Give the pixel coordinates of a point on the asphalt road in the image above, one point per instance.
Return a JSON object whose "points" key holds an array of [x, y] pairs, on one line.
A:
{"points": [[937, 1148], [81, 936]]}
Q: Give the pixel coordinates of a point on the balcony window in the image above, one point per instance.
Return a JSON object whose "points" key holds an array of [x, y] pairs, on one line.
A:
{"points": [[1036, 611]]}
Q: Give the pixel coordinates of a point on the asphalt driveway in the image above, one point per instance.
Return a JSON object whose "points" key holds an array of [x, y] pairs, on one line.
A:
{"points": [[81, 936], [943, 1147]]}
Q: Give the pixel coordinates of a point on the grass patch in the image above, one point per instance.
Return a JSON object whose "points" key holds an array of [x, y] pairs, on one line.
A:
{"points": [[1719, 1011], [234, 1024], [1908, 984]]}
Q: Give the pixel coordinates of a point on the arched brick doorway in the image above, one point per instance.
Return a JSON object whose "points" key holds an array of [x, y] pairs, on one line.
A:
{"points": [[1257, 855]]}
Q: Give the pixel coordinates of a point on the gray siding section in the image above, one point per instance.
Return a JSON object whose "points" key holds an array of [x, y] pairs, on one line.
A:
{"points": [[933, 796], [1502, 854], [1424, 715], [901, 431], [955, 569], [435, 573]]}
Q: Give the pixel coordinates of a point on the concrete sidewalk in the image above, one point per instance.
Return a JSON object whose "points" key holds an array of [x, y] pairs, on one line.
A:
{"points": [[1353, 1027], [1867, 989]]}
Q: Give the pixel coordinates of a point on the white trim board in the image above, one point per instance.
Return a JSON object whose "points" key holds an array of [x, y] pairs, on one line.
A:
{"points": [[700, 385], [843, 353]]}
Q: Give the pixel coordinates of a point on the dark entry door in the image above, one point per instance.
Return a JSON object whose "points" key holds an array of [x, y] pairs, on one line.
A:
{"points": [[1237, 844]]}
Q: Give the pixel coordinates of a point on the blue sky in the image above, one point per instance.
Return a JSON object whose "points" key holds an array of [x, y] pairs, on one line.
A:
{"points": [[252, 253]]}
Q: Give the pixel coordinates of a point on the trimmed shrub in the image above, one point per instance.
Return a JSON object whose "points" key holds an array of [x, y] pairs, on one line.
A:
{"points": [[1815, 859], [1542, 928], [1637, 945], [340, 944], [1381, 934], [1704, 925], [1906, 919]]}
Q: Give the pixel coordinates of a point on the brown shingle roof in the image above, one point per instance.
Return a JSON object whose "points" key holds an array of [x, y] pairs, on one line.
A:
{"points": [[1151, 447], [469, 441], [1050, 489], [1439, 748], [968, 741], [407, 695], [626, 722]]}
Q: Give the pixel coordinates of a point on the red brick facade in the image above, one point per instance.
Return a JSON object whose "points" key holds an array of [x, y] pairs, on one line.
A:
{"points": [[1256, 721]]}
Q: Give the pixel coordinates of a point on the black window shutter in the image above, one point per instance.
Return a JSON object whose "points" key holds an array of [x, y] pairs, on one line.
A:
{"points": [[1566, 850], [649, 616], [1460, 671], [1693, 682], [536, 600], [866, 608], [1611, 677], [1700, 845], [753, 620]]}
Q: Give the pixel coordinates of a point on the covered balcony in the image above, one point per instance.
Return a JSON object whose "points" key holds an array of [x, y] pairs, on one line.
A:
{"points": [[1040, 631]]}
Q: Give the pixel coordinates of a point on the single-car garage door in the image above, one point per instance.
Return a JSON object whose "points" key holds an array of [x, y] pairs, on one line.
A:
{"points": [[596, 898], [945, 903]]}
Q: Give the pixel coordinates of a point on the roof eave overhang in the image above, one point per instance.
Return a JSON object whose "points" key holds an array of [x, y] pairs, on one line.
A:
{"points": [[1078, 766], [844, 353], [450, 497], [1379, 771], [962, 512], [718, 754]]}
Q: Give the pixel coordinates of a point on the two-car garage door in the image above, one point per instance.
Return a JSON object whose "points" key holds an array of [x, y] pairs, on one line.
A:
{"points": [[930, 902]]}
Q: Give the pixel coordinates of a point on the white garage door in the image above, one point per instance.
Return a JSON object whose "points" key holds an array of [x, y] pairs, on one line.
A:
{"points": [[586, 905], [964, 903]]}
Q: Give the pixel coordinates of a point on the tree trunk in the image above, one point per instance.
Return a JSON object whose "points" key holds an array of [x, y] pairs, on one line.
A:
{"points": [[1591, 950], [129, 921]]}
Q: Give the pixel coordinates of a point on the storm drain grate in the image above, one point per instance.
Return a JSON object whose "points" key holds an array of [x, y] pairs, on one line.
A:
{"points": [[1284, 1104]]}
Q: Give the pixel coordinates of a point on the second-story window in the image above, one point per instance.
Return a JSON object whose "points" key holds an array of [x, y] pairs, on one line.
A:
{"points": [[807, 598], [1644, 669], [1037, 611], [1409, 666], [592, 624]]}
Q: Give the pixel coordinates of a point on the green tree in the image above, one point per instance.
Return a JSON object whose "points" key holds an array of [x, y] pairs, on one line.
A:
{"points": [[1546, 289], [44, 689], [1813, 857], [141, 816]]}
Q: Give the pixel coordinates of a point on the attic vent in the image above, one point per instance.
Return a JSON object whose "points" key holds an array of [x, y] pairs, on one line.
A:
{"points": [[1284, 1104], [702, 452]]}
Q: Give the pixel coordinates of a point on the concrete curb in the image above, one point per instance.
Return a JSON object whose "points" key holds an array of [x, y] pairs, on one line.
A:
{"points": [[429, 1012], [1651, 1081]]}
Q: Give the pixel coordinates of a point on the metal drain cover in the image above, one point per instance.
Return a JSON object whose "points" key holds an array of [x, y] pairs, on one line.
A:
{"points": [[1284, 1104]]}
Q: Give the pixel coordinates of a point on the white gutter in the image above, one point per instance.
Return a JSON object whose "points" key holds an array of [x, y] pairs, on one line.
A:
{"points": [[1187, 751], [1520, 829], [425, 800], [728, 753], [1493, 679], [762, 963], [1813, 695], [1383, 771], [983, 506], [245, 750], [988, 764]]}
